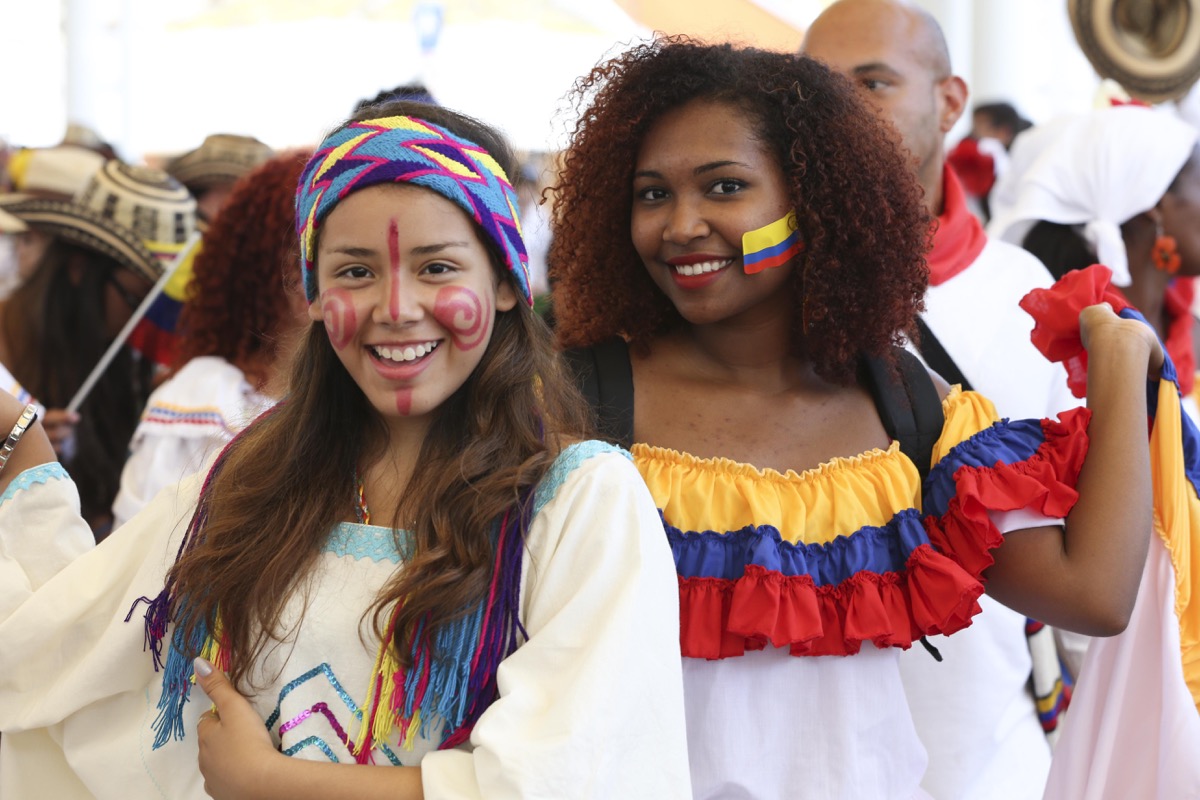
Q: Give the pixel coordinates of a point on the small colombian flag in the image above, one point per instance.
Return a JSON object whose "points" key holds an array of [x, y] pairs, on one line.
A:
{"points": [[155, 336], [771, 246]]}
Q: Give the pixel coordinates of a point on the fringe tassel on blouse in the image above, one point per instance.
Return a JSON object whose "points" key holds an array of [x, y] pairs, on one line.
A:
{"points": [[164, 609], [453, 674]]}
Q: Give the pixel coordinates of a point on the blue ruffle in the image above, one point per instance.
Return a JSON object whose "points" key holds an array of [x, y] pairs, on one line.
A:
{"points": [[708, 554], [1005, 442]]}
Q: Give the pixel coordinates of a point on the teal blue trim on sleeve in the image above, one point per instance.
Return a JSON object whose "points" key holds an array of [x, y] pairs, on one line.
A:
{"points": [[42, 473], [570, 459]]}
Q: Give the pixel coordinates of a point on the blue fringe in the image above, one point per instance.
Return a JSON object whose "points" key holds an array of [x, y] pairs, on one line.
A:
{"points": [[177, 685]]}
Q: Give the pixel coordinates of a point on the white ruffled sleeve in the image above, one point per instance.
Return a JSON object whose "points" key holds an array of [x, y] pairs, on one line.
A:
{"points": [[40, 532], [591, 706], [66, 642]]}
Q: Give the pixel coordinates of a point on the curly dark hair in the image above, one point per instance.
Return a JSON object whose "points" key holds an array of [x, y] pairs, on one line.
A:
{"points": [[859, 206], [237, 303]]}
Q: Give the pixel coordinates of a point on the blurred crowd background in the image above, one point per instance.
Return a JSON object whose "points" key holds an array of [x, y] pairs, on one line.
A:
{"points": [[154, 78]]}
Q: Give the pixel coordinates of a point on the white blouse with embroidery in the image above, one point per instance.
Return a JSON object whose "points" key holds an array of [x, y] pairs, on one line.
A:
{"points": [[590, 705]]}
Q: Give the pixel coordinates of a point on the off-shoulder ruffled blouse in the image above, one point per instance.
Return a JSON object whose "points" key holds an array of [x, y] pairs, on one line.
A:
{"points": [[817, 563]]}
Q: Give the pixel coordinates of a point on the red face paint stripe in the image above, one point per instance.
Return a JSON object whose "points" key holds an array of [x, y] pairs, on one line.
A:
{"points": [[394, 264], [404, 399]]}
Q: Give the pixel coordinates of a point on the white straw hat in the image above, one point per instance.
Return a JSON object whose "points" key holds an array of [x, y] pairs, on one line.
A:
{"points": [[136, 215], [1151, 48]]}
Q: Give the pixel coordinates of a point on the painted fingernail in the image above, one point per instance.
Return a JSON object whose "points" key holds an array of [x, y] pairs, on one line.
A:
{"points": [[202, 667]]}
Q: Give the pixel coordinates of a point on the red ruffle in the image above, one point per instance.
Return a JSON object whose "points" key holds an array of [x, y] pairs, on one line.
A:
{"points": [[1055, 312], [1045, 482], [937, 593], [725, 618], [1056, 322]]}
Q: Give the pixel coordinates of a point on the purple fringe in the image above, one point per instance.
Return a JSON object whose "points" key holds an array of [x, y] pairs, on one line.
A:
{"points": [[161, 611], [499, 637]]}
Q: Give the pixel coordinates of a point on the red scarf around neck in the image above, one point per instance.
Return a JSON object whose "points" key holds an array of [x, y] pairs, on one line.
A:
{"points": [[959, 238]]}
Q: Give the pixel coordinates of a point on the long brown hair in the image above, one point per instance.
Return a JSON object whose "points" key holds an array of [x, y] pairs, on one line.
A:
{"points": [[289, 478], [55, 326]]}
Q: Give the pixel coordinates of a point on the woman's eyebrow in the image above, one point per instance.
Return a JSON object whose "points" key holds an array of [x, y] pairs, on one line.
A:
{"points": [[709, 167], [428, 249]]}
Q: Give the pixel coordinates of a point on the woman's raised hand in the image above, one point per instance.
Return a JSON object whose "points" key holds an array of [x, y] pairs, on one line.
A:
{"points": [[1101, 331]]}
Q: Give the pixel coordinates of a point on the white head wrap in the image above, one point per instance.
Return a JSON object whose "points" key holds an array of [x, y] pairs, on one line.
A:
{"points": [[1097, 170]]}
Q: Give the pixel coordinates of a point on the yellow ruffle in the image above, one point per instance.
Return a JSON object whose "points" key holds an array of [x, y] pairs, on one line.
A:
{"points": [[811, 507], [1176, 517], [967, 413]]}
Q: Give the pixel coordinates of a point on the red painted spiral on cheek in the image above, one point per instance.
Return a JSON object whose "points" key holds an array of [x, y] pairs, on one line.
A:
{"points": [[341, 321], [464, 314]]}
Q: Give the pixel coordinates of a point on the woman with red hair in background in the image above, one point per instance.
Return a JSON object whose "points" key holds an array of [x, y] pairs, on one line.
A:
{"points": [[242, 310]]}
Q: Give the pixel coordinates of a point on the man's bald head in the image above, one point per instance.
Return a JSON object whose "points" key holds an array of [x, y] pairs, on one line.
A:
{"points": [[896, 52]]}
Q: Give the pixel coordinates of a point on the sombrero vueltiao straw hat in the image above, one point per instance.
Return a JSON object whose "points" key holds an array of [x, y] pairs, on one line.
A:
{"points": [[221, 159], [54, 173], [9, 223], [1150, 47], [58, 172], [138, 216]]}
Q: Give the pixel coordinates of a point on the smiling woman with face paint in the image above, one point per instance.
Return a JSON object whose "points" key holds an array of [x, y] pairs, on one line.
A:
{"points": [[740, 220], [417, 560]]}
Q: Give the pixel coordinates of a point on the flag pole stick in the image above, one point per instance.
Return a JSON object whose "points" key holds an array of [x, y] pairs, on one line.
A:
{"points": [[138, 313]]}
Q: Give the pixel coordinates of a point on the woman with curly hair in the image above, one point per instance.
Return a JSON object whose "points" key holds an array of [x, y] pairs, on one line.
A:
{"points": [[243, 312], [751, 238], [414, 577]]}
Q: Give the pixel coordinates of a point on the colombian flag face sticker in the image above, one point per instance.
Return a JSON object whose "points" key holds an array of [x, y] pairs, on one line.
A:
{"points": [[771, 246]]}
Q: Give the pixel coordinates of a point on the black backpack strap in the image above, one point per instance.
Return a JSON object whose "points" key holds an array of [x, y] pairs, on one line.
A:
{"points": [[937, 358], [911, 412], [604, 376], [908, 406]]}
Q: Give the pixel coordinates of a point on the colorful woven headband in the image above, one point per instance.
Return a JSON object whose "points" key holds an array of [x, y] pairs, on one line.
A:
{"points": [[409, 150]]}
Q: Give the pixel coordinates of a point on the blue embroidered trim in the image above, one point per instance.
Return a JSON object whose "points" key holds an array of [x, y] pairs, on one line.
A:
{"points": [[315, 741], [568, 461], [368, 541], [42, 473], [312, 741]]}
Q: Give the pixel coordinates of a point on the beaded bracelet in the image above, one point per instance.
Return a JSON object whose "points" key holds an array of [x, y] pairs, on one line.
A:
{"points": [[27, 418]]}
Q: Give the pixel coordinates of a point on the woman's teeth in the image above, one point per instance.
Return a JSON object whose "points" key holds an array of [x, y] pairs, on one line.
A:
{"points": [[402, 354], [703, 267]]}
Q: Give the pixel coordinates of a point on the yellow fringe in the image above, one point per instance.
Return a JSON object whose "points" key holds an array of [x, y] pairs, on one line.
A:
{"points": [[212, 651], [410, 735], [380, 728]]}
